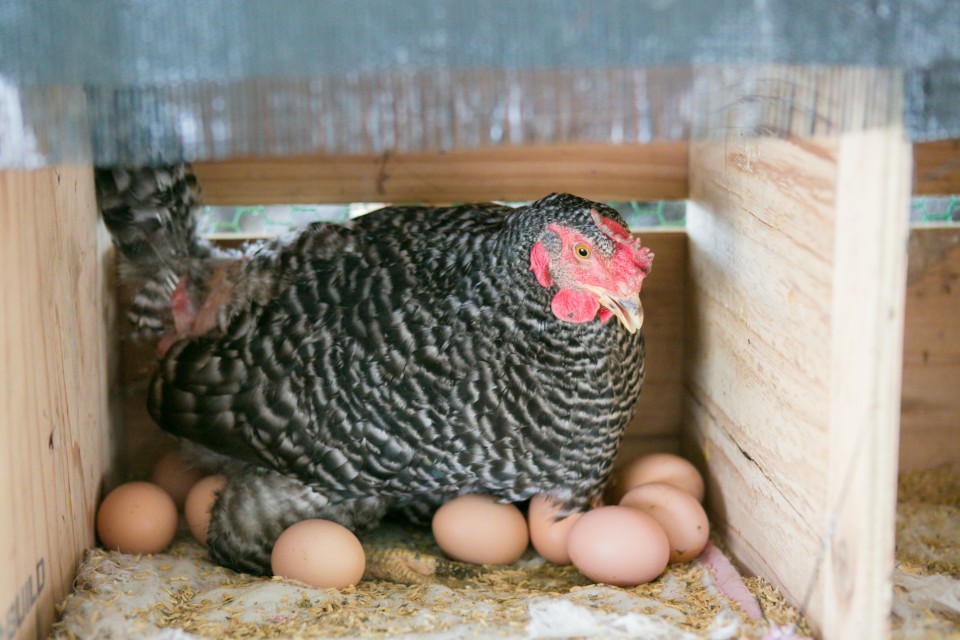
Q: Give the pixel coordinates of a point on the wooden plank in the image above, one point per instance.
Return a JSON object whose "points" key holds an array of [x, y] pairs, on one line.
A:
{"points": [[603, 172], [797, 267], [936, 168], [870, 268], [600, 172], [760, 273], [656, 426], [930, 417], [55, 439]]}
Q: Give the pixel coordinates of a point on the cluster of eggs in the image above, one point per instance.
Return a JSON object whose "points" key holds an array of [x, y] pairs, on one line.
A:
{"points": [[142, 518], [655, 518]]}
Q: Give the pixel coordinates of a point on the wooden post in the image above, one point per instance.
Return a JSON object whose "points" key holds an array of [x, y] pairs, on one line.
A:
{"points": [[797, 276], [55, 426]]}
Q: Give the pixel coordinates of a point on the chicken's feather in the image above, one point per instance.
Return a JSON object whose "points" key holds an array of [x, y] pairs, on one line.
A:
{"points": [[408, 357]]}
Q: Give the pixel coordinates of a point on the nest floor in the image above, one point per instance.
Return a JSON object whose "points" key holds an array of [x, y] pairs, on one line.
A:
{"points": [[411, 590]]}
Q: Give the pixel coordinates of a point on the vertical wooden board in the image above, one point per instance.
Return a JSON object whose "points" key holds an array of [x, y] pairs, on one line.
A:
{"points": [[143, 441], [930, 416], [854, 593], [656, 425], [756, 350], [797, 259], [55, 418]]}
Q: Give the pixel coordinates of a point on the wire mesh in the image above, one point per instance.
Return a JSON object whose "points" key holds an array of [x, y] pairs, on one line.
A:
{"points": [[278, 219], [935, 209]]}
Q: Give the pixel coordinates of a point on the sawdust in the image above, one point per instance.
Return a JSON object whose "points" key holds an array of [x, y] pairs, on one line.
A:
{"points": [[409, 589], [926, 598]]}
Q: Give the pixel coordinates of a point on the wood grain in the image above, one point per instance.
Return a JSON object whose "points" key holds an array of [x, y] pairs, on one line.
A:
{"points": [[866, 365], [657, 422], [756, 390], [936, 168], [55, 416], [797, 271], [930, 417], [599, 172]]}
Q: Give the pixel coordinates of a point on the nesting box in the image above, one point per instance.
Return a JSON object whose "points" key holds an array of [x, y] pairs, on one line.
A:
{"points": [[798, 351]]}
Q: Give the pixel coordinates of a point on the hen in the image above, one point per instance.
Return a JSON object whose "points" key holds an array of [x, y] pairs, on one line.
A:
{"points": [[394, 361]]}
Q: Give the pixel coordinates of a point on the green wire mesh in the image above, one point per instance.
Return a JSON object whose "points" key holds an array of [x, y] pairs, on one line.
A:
{"points": [[279, 219], [934, 210]]}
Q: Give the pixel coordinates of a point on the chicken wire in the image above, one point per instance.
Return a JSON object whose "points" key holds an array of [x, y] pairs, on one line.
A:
{"points": [[935, 209], [261, 220], [268, 220], [117, 81]]}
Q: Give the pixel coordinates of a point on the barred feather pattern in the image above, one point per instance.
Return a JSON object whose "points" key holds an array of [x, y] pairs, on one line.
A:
{"points": [[397, 361], [150, 213]]}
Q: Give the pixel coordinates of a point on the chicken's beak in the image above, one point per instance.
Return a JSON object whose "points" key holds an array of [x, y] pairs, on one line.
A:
{"points": [[628, 310]]}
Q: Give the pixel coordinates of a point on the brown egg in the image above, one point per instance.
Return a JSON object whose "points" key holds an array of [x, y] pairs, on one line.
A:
{"points": [[137, 517], [656, 467], [679, 513], [320, 553], [476, 528], [175, 475], [548, 535], [199, 503], [619, 546]]}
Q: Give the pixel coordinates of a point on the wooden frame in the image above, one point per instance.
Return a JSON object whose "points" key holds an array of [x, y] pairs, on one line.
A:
{"points": [[797, 263], [930, 416], [936, 169], [600, 172], [774, 327], [55, 413], [657, 171]]}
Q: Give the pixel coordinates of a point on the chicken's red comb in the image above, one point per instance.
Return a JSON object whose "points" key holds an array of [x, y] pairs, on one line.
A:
{"points": [[616, 232]]}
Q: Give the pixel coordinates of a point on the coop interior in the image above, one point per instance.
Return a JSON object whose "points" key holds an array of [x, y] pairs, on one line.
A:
{"points": [[801, 319], [783, 358]]}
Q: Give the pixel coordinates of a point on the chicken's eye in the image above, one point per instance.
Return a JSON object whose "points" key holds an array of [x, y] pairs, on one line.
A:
{"points": [[582, 251]]}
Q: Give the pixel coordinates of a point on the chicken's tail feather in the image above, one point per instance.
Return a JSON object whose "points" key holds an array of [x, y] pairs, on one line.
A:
{"points": [[150, 212]]}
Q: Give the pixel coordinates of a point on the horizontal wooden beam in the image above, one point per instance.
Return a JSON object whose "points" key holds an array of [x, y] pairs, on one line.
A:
{"points": [[936, 168], [655, 171]]}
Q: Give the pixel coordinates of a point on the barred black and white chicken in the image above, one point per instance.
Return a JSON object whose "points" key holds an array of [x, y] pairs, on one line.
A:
{"points": [[392, 362]]}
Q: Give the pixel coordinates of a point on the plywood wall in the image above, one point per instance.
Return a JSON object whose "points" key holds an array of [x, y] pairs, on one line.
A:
{"points": [[656, 426], [797, 273], [930, 427], [55, 418], [936, 168]]}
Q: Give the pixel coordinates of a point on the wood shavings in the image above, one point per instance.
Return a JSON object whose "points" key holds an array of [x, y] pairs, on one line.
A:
{"points": [[926, 596], [775, 607], [410, 589]]}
